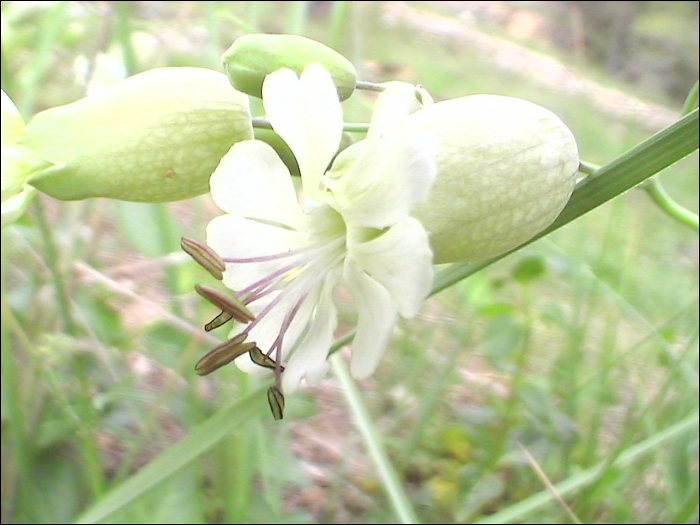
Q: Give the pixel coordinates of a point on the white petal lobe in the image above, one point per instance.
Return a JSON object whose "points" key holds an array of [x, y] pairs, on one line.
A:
{"points": [[309, 359], [401, 261], [251, 181], [396, 102], [386, 181], [306, 113], [252, 239], [377, 314]]}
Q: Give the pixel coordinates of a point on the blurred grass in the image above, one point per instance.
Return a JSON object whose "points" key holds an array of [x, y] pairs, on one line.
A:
{"points": [[581, 347]]}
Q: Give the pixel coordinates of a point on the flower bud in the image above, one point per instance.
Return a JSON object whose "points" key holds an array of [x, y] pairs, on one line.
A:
{"points": [[252, 57], [506, 168], [154, 137]]}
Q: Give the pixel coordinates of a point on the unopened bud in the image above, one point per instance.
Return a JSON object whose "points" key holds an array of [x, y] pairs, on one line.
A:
{"points": [[252, 57], [155, 137]]}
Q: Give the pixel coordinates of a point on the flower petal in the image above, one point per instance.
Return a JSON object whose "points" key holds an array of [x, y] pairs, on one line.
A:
{"points": [[396, 102], [306, 113], [234, 237], [401, 261], [385, 180], [12, 123], [252, 181], [309, 359], [377, 314], [14, 207]]}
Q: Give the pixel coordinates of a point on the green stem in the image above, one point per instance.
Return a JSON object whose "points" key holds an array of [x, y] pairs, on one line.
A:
{"points": [[14, 410], [587, 167], [357, 127], [123, 30], [655, 189], [200, 439], [52, 261], [297, 17], [89, 431], [658, 194], [397, 497], [369, 86], [340, 19], [52, 28]]}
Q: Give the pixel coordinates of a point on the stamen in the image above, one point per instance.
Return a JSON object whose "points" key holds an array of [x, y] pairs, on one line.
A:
{"points": [[267, 280], [265, 258], [231, 306], [314, 251], [204, 256], [263, 360], [218, 321], [293, 284], [285, 326], [276, 400], [310, 277], [223, 354]]}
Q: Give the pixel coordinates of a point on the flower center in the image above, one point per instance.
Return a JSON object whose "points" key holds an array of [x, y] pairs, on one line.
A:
{"points": [[298, 276]]}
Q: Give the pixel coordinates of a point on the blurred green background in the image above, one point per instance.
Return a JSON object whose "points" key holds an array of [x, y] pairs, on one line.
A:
{"points": [[571, 361]]}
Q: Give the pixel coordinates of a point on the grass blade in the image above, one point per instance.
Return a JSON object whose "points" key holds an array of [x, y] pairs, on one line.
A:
{"points": [[397, 496], [518, 511], [198, 441]]}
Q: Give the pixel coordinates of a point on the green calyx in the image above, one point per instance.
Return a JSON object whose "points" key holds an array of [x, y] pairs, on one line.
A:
{"points": [[506, 168], [252, 57], [154, 137]]}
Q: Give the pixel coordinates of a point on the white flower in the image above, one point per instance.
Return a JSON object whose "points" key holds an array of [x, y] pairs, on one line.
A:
{"points": [[284, 258]]}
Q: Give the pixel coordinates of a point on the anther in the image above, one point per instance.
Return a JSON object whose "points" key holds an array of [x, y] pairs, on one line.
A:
{"points": [[223, 354], [219, 320], [236, 309], [276, 400], [260, 359], [204, 256]]}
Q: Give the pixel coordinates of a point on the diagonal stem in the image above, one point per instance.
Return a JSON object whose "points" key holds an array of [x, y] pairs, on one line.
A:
{"points": [[390, 479]]}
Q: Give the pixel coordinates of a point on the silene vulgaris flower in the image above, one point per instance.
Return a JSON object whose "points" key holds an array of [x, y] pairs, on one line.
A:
{"points": [[284, 254]]}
